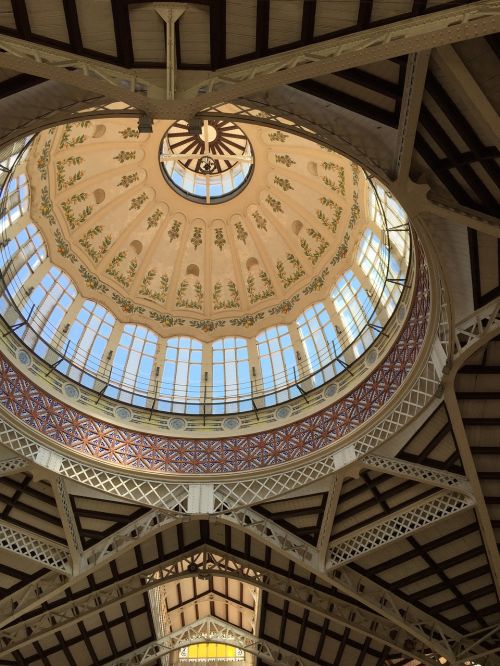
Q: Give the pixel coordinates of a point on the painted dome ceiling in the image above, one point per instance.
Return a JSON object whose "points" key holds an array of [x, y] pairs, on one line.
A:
{"points": [[273, 240]]}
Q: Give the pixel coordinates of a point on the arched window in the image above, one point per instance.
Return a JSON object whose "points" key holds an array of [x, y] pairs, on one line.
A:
{"points": [[50, 300], [133, 365], [181, 379], [277, 363], [230, 373], [355, 309], [16, 201], [321, 343], [382, 204], [377, 265], [88, 337]]}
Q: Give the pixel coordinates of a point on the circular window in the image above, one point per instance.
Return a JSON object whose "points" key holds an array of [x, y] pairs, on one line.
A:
{"points": [[207, 163]]}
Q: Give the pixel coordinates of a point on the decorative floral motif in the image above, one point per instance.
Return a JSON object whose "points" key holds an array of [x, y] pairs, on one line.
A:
{"points": [[266, 292], [129, 133], [63, 247], [66, 141], [159, 295], [125, 156], [317, 283], [286, 160], [228, 304], [46, 207], [43, 161], [85, 241], [128, 180], [241, 234], [355, 211], [92, 281], [285, 306], [296, 273], [260, 221], [220, 241], [207, 325], [284, 183], [274, 203], [196, 239], [248, 320], [70, 216], [173, 232], [183, 301], [166, 319], [336, 212], [138, 201], [154, 218], [321, 246], [339, 184], [127, 305], [62, 181], [278, 136], [124, 278]]}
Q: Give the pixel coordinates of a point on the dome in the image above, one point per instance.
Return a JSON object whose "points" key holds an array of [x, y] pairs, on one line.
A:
{"points": [[214, 268]]}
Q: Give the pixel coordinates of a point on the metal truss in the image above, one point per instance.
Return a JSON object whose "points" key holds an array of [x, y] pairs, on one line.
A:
{"points": [[416, 72], [396, 526], [362, 48], [50, 585], [70, 527], [482, 325], [465, 647], [217, 631], [13, 466], [372, 45], [416, 472], [35, 548], [207, 561]]}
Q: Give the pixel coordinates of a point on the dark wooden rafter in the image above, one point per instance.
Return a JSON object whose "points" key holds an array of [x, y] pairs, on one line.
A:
{"points": [[21, 18], [308, 21], [123, 32], [71, 17], [217, 34], [18, 83], [262, 28], [364, 13]]}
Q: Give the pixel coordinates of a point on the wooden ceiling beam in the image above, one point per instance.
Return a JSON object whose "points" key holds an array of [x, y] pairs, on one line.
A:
{"points": [[123, 32], [364, 14], [73, 25], [217, 34], [18, 84], [308, 21], [262, 28], [21, 18]]}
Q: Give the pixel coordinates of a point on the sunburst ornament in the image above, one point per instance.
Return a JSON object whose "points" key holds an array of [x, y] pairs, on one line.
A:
{"points": [[209, 166]]}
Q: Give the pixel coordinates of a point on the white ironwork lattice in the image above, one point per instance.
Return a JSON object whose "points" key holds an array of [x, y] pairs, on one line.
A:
{"points": [[47, 553], [378, 534], [422, 473], [12, 466]]}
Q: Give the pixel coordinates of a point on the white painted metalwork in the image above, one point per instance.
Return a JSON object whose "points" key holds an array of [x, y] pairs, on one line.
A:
{"points": [[211, 561], [396, 526], [215, 630], [416, 72], [482, 325], [13, 466], [416, 472], [47, 553], [67, 516]]}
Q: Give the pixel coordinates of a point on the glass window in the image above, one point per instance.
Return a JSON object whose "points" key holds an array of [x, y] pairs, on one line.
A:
{"points": [[133, 365], [88, 337], [181, 379], [230, 373], [16, 201], [379, 200], [355, 309], [321, 343], [278, 364], [207, 652], [50, 299], [378, 266]]}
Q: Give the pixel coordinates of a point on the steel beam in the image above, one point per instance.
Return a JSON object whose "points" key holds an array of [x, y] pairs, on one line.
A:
{"points": [[33, 547], [70, 527], [416, 72], [474, 331], [214, 630], [209, 561], [397, 525], [354, 50], [486, 224]]}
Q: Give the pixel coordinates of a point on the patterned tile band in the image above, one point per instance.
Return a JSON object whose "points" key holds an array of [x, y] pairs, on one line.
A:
{"points": [[108, 442]]}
